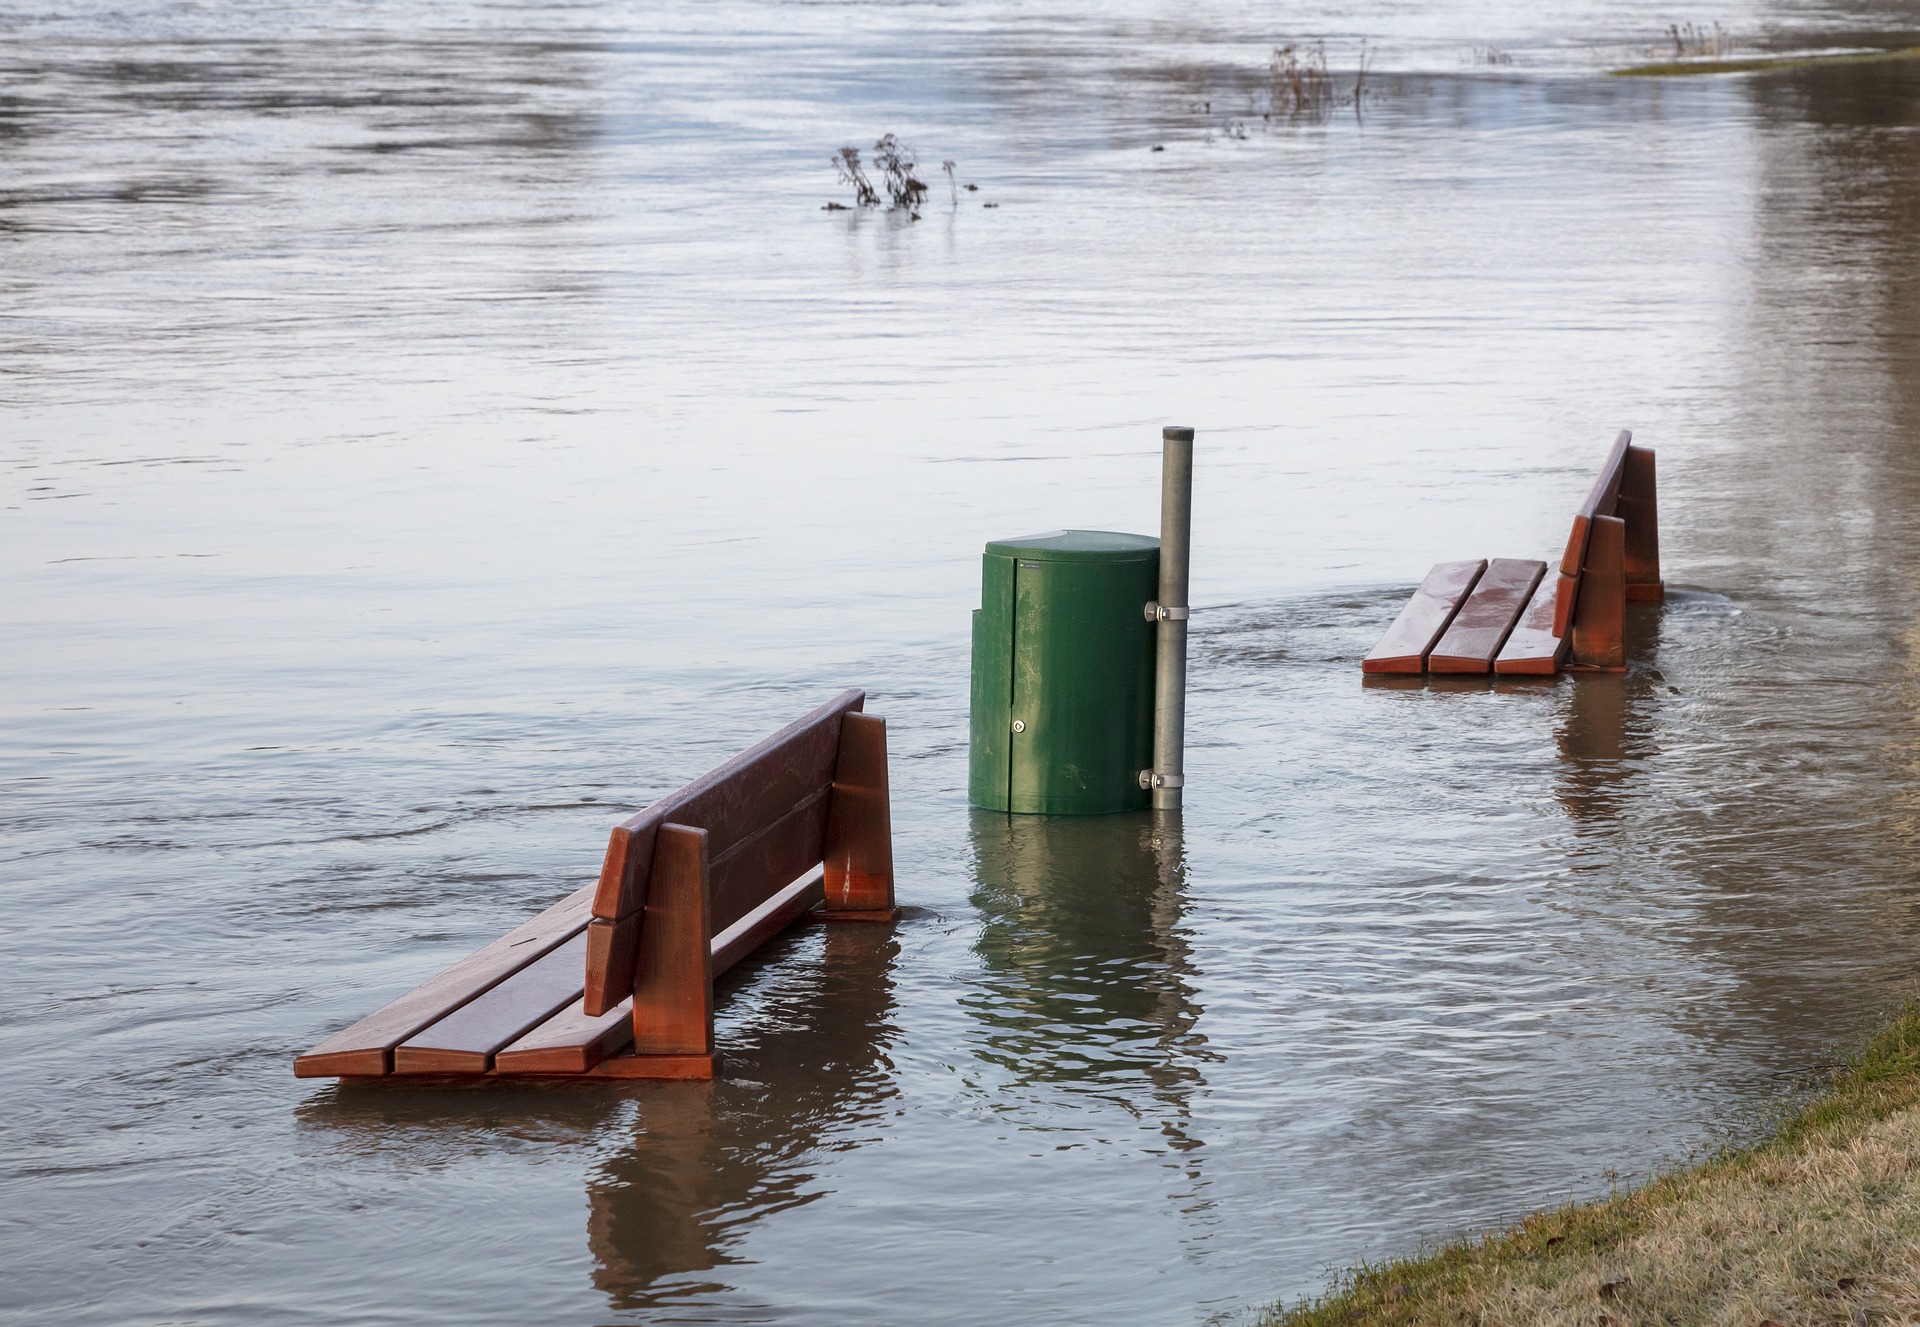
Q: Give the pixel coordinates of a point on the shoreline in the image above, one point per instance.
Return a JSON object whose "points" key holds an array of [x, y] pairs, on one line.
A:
{"points": [[1817, 1222], [1760, 64]]}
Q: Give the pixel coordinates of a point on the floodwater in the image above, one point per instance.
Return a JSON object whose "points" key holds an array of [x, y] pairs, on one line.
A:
{"points": [[430, 431]]}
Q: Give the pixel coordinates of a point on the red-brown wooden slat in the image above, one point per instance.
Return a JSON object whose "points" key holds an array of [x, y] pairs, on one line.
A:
{"points": [[673, 993], [1404, 648], [1481, 626], [859, 844], [1639, 506], [730, 803], [1533, 648], [571, 1042], [464, 1041], [613, 953], [1598, 637], [1566, 591], [766, 921], [1599, 501], [739, 882], [622, 889], [366, 1047], [761, 865], [669, 1067]]}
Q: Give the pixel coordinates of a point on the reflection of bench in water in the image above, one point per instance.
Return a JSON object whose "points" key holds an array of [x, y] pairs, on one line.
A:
{"points": [[808, 1073], [1509, 616], [616, 980]]}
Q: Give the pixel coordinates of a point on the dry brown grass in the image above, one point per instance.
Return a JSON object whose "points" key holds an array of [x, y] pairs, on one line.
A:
{"points": [[1818, 1225]]}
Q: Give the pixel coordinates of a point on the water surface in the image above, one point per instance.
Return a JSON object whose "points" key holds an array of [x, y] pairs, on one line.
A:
{"points": [[430, 432]]}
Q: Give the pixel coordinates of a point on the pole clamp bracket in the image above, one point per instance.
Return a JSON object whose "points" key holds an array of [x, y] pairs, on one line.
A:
{"points": [[1157, 612], [1155, 779]]}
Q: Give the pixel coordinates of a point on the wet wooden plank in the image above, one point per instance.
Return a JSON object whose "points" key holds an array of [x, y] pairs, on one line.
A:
{"points": [[756, 868], [574, 1041], [775, 915], [730, 803], [1599, 501], [668, 1067], [1639, 507], [1533, 648], [1566, 592], [465, 1040], [1487, 617], [613, 955], [859, 845], [1598, 637], [1404, 648], [571, 1042], [760, 866], [673, 993], [366, 1047]]}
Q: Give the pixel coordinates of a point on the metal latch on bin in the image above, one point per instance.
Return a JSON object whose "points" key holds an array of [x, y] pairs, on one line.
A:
{"points": [[1165, 613]]}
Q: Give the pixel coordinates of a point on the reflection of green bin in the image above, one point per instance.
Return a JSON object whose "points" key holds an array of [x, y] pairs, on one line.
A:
{"points": [[1063, 673]]}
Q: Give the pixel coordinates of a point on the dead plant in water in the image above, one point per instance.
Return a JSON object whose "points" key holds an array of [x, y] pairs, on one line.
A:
{"points": [[1304, 88], [895, 161], [846, 163], [1692, 40], [895, 164]]}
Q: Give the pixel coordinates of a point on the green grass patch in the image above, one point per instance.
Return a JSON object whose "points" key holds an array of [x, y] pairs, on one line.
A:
{"points": [[1760, 64]]}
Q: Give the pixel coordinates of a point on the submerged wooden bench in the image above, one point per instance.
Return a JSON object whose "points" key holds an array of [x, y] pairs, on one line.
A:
{"points": [[616, 979], [1509, 616]]}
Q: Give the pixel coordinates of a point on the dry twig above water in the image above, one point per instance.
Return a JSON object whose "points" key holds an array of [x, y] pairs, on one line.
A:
{"points": [[894, 161]]}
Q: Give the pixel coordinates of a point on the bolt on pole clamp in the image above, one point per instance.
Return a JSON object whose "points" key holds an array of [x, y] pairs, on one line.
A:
{"points": [[1165, 613], [1152, 779]]}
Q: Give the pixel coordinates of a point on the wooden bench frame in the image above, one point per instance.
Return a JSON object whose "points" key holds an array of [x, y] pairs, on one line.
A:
{"points": [[1509, 617], [616, 980]]}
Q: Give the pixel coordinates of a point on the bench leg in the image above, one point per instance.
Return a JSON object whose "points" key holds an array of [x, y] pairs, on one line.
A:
{"points": [[673, 991], [1600, 612], [1639, 507], [859, 843]]}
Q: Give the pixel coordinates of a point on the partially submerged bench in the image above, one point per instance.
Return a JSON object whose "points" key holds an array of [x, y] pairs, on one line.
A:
{"points": [[1510, 616], [616, 979]]}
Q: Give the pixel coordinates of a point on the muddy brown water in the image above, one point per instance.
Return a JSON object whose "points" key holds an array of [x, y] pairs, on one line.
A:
{"points": [[431, 431]]}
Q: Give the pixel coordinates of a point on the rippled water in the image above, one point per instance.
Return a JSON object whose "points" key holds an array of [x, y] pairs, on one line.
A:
{"points": [[430, 431]]}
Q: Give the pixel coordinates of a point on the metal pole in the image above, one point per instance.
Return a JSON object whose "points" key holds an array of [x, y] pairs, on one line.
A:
{"points": [[1170, 665]]}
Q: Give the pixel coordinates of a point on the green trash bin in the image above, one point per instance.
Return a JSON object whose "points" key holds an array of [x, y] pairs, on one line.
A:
{"points": [[1062, 715]]}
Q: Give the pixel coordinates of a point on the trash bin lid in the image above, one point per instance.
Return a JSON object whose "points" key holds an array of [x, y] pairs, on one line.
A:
{"points": [[1077, 546]]}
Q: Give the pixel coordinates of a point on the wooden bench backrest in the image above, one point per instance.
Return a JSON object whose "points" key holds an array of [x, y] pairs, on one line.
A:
{"points": [[1601, 500], [765, 815]]}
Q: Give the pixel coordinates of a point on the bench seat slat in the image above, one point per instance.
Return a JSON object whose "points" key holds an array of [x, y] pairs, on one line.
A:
{"points": [[1484, 621], [1404, 648], [1533, 648], [571, 1042], [465, 1040], [366, 1047]]}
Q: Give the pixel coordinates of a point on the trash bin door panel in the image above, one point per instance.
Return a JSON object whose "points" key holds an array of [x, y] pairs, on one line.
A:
{"points": [[1080, 724]]}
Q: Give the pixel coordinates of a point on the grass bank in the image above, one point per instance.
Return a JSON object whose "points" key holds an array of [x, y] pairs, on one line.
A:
{"points": [[1759, 64], [1818, 1224]]}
